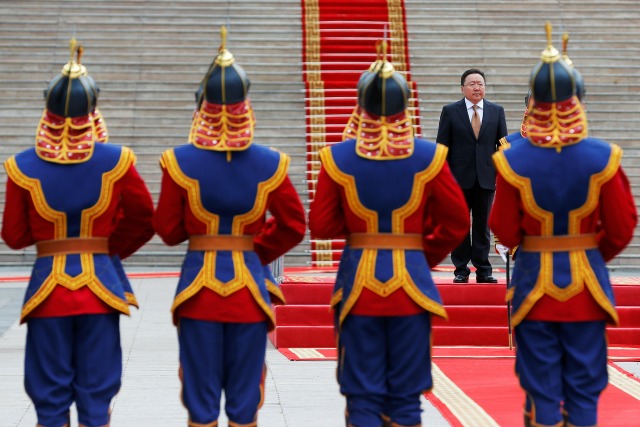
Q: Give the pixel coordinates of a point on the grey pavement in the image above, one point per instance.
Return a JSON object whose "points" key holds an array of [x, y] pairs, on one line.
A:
{"points": [[297, 393]]}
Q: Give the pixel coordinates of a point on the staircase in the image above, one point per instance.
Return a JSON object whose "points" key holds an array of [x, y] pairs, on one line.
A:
{"points": [[477, 316], [306, 320], [340, 41], [148, 57]]}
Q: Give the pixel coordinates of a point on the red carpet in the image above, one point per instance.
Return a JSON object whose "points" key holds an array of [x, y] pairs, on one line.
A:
{"points": [[339, 43], [472, 392], [616, 354], [477, 313], [476, 386]]}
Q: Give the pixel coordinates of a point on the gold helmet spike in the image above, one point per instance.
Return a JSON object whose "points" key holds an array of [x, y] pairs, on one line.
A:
{"points": [[565, 43], [79, 52], [72, 47], [384, 67], [379, 56], [224, 58], [580, 87], [550, 54], [223, 38], [72, 69]]}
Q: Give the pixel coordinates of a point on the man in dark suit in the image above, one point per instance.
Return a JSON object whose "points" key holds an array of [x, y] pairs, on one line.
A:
{"points": [[472, 128]]}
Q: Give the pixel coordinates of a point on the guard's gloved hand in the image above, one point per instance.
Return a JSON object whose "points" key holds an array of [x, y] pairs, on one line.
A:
{"points": [[501, 249]]}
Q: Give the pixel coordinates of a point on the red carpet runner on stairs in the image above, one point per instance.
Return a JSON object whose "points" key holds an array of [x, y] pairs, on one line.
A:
{"points": [[339, 43], [477, 313]]}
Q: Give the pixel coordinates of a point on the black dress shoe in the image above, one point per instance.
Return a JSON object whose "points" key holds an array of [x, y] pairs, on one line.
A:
{"points": [[460, 278], [486, 279]]}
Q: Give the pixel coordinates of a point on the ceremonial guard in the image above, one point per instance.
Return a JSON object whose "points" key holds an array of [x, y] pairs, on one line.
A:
{"points": [[565, 200], [81, 203], [394, 199], [216, 191]]}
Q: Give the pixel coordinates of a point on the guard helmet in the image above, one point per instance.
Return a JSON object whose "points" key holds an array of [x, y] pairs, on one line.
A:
{"points": [[66, 132], [383, 91], [552, 79], [225, 82], [73, 93], [555, 117]]}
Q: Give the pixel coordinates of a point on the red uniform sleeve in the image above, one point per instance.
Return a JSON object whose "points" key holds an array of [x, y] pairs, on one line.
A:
{"points": [[286, 226], [618, 216], [16, 231], [169, 220], [446, 221], [134, 226], [326, 218], [506, 214]]}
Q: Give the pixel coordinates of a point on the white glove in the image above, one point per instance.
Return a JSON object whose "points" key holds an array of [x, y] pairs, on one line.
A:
{"points": [[503, 251]]}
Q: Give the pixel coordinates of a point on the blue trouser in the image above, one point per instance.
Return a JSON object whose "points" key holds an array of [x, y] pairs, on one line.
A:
{"points": [[74, 358], [217, 356], [384, 367], [563, 369]]}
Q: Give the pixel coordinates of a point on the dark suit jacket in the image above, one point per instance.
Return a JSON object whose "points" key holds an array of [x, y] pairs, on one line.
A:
{"points": [[467, 156]]}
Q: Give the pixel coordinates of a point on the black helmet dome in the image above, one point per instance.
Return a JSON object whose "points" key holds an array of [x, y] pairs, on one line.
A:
{"points": [[552, 79], [225, 82], [383, 91], [73, 93]]}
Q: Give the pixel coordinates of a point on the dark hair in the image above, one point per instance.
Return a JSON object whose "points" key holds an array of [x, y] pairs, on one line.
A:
{"points": [[471, 71]]}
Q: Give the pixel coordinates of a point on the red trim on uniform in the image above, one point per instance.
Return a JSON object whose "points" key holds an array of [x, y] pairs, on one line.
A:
{"points": [[580, 308], [65, 302], [397, 303], [239, 307]]}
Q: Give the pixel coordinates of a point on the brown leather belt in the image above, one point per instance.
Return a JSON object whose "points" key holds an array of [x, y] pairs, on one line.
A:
{"points": [[384, 241], [565, 243], [220, 242], [73, 245]]}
